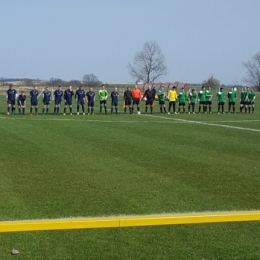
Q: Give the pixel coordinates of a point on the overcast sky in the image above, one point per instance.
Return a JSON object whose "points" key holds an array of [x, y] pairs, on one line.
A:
{"points": [[70, 38]]}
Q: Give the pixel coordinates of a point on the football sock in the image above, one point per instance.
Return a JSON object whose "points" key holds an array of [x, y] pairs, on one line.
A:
{"points": [[105, 109], [64, 110], [222, 108], [70, 109], [133, 108], [111, 110], [125, 109], [100, 109], [88, 109], [245, 110], [209, 108], [36, 110], [146, 108], [8, 109], [47, 110], [54, 112], [31, 110], [83, 108], [19, 109], [161, 109], [116, 110], [58, 110], [199, 108], [77, 108], [23, 110], [92, 110], [164, 109], [151, 108]]}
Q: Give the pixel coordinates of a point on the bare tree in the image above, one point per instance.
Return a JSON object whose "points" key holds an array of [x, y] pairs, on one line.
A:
{"points": [[91, 80], [148, 64], [211, 82], [253, 71]]}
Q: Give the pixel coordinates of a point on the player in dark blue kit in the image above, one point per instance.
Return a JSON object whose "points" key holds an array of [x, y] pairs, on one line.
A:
{"points": [[149, 96], [46, 101], [34, 100], [114, 100], [80, 97], [11, 95], [68, 95], [58, 93], [21, 102], [128, 100], [90, 97]]}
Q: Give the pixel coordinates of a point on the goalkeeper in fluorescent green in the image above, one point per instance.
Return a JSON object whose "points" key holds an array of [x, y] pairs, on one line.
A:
{"points": [[103, 94]]}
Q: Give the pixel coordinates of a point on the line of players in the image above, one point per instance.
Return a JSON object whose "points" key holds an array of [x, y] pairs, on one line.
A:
{"points": [[131, 99], [204, 98]]}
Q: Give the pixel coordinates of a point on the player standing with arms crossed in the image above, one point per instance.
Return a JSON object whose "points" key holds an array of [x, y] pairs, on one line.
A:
{"points": [[243, 97], [114, 100], [192, 98], [209, 95], [21, 103], [232, 100], [46, 101], [128, 100], [34, 100], [103, 94], [136, 96], [58, 93], [161, 97], [80, 97], [202, 99], [221, 101], [90, 97], [11, 95], [68, 96], [182, 97], [251, 97]]}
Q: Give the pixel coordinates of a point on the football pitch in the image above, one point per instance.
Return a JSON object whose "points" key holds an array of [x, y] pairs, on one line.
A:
{"points": [[55, 167]]}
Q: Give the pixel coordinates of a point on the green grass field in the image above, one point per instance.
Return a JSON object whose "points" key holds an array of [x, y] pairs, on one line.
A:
{"points": [[103, 165]]}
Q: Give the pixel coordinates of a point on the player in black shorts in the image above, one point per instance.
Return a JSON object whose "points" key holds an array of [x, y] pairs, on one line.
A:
{"points": [[149, 96], [21, 103], [128, 100]]}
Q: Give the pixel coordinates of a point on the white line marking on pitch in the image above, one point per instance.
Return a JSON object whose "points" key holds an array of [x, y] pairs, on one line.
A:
{"points": [[89, 120], [210, 124]]}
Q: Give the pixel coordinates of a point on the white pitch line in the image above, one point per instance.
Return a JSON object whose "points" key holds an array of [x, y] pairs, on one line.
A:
{"points": [[234, 121], [88, 120], [206, 123]]}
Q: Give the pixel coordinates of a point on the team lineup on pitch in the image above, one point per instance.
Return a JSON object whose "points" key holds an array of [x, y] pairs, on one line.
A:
{"points": [[132, 99]]}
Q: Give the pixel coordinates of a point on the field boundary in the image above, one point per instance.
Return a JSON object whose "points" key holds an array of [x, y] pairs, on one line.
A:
{"points": [[129, 221]]}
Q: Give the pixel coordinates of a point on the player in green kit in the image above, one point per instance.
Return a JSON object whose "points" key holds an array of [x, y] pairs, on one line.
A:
{"points": [[161, 97], [221, 101], [243, 100], [192, 99], [202, 99], [103, 94], [246, 99], [182, 97], [251, 97], [232, 95], [209, 95]]}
